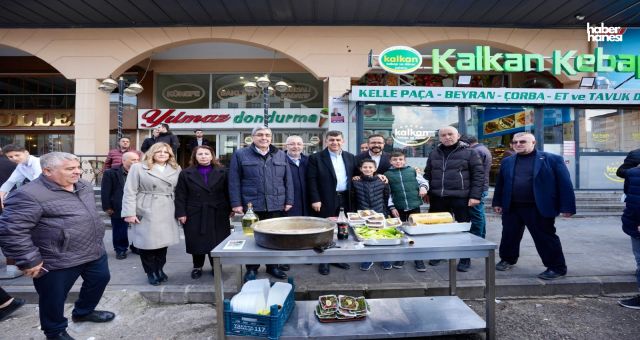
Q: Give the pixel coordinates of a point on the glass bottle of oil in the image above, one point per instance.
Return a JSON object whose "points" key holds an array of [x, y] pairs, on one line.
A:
{"points": [[248, 220]]}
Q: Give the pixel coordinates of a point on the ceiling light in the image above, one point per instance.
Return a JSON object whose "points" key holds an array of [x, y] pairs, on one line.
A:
{"points": [[250, 87], [580, 17]]}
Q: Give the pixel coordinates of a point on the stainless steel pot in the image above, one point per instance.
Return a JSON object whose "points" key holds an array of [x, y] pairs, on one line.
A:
{"points": [[294, 233]]}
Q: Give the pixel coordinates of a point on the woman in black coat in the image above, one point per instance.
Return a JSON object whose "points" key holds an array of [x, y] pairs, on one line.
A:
{"points": [[202, 206]]}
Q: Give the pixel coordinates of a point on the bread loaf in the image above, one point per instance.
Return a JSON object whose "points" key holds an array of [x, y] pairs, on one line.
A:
{"points": [[430, 218]]}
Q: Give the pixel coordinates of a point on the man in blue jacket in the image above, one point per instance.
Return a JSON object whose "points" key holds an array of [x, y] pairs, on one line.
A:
{"points": [[532, 188], [260, 174]]}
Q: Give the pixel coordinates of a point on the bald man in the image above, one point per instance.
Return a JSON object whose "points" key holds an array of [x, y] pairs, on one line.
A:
{"points": [[456, 177]]}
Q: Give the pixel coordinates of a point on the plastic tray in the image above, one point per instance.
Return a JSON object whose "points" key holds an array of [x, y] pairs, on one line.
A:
{"points": [[378, 242], [264, 326], [426, 229]]}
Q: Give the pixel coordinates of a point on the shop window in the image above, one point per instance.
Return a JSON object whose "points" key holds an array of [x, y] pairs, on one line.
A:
{"points": [[609, 130], [559, 131], [186, 91]]}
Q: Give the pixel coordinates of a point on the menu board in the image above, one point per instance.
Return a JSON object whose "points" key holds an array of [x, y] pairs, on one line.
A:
{"points": [[502, 121]]}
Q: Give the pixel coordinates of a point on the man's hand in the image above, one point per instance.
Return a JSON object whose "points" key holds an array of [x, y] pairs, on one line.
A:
{"points": [[287, 207], [109, 211], [238, 210], [132, 219], [497, 210], [384, 179], [182, 219], [566, 214], [33, 271], [473, 202], [423, 191], [316, 206], [395, 213]]}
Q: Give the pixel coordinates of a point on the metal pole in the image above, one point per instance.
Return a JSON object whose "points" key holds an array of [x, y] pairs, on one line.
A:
{"points": [[265, 104], [120, 107]]}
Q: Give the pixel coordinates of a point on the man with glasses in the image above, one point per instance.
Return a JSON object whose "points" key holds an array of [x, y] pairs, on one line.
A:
{"points": [[259, 174], [532, 188], [375, 143]]}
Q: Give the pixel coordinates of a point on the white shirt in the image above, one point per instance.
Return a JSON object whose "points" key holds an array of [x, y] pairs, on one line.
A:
{"points": [[340, 169], [295, 160], [199, 140], [375, 159], [29, 170]]}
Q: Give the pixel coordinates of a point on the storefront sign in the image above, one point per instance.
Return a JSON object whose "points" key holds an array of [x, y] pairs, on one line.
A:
{"points": [[499, 95], [183, 93], [23, 119], [297, 93], [412, 135], [229, 118], [483, 60], [400, 59]]}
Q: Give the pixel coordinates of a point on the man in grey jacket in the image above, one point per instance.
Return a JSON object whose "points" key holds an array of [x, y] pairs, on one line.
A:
{"points": [[259, 174], [50, 226]]}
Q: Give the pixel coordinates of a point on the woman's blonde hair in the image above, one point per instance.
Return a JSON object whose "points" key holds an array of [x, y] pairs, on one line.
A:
{"points": [[148, 156]]}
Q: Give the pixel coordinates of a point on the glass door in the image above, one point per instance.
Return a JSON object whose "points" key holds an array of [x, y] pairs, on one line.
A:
{"points": [[228, 143]]}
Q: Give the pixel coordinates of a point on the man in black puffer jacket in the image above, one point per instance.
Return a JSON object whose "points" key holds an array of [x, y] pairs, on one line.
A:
{"points": [[456, 176]]}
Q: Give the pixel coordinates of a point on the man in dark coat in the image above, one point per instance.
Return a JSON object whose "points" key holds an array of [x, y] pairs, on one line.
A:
{"points": [[198, 141], [476, 213], [202, 206], [631, 161], [532, 188], [111, 192], [456, 177], [375, 143], [631, 224], [329, 176], [146, 144], [260, 174], [166, 136], [298, 165], [53, 231]]}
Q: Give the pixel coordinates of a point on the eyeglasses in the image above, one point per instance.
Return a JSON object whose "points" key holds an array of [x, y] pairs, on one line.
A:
{"points": [[262, 135], [514, 142]]}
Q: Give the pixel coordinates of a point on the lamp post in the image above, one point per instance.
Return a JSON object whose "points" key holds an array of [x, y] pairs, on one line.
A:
{"points": [[265, 85], [108, 85]]}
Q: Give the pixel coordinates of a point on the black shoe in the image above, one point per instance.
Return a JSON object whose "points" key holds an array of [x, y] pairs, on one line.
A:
{"points": [[284, 267], [121, 255], [276, 272], [196, 273], [464, 265], [153, 279], [323, 269], [162, 277], [95, 316], [134, 249], [633, 303], [504, 266], [434, 262], [550, 275], [12, 307], [250, 275], [61, 336], [344, 266]]}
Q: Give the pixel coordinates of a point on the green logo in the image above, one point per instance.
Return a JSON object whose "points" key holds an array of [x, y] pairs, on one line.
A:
{"points": [[400, 59]]}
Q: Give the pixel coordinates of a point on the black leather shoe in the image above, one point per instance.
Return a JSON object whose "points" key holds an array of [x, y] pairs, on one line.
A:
{"points": [[464, 265], [162, 277], [95, 316], [61, 336], [250, 275], [323, 269], [12, 307], [342, 265], [121, 255], [550, 275], [153, 279], [134, 249], [434, 262], [276, 272], [284, 267], [196, 273]]}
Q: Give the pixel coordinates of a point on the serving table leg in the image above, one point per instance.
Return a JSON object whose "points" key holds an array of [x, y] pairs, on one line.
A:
{"points": [[490, 294], [452, 277], [219, 296]]}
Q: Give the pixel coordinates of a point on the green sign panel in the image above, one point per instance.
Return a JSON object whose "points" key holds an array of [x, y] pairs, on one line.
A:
{"points": [[400, 59]]}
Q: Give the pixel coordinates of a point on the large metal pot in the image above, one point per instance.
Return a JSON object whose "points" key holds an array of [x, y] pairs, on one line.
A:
{"points": [[293, 233]]}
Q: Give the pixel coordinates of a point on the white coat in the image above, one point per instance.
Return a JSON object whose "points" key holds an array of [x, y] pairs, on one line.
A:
{"points": [[149, 194]]}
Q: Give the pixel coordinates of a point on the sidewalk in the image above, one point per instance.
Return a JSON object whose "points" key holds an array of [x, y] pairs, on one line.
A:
{"points": [[598, 256]]}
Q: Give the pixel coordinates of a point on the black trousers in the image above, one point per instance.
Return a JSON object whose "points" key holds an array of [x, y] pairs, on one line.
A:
{"points": [[459, 207], [198, 260], [4, 296], [404, 215], [265, 215], [153, 260], [542, 230]]}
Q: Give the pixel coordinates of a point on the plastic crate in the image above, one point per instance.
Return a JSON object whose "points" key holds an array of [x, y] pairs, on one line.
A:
{"points": [[264, 326]]}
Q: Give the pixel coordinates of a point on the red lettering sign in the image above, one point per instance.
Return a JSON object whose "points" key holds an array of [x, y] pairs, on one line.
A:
{"points": [[155, 117]]}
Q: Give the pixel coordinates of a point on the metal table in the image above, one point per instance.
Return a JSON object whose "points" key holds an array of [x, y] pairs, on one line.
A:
{"points": [[403, 316]]}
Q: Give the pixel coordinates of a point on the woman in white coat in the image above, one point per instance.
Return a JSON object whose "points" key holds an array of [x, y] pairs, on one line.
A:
{"points": [[148, 204]]}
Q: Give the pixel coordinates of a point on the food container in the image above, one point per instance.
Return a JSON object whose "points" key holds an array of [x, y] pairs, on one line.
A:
{"points": [[430, 218], [426, 229], [378, 241], [294, 233]]}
